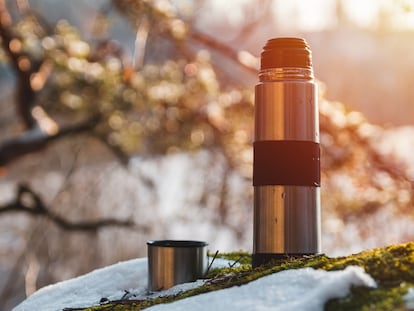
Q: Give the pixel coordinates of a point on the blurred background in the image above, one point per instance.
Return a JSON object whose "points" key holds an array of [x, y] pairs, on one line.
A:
{"points": [[123, 121]]}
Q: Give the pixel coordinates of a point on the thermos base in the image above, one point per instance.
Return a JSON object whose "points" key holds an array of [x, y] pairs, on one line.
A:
{"points": [[259, 259]]}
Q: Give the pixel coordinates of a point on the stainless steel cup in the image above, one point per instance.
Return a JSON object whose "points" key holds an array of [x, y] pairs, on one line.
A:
{"points": [[172, 262]]}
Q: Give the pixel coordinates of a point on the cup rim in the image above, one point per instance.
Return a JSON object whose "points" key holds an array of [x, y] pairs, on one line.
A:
{"points": [[176, 243]]}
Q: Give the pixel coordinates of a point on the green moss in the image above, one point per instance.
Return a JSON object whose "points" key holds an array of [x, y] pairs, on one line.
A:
{"points": [[362, 298], [392, 268], [240, 257]]}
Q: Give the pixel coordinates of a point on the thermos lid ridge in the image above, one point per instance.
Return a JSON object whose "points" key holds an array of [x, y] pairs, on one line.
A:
{"points": [[286, 52]]}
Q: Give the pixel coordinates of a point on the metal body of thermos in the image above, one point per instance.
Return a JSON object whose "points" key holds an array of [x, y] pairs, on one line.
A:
{"points": [[286, 165]]}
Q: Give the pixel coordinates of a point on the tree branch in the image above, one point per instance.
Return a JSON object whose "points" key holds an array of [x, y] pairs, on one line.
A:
{"points": [[29, 202], [117, 151], [243, 58], [23, 66], [36, 139]]}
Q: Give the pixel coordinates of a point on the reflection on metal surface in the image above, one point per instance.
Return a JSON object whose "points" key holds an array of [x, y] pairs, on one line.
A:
{"points": [[172, 262], [287, 221], [286, 111]]}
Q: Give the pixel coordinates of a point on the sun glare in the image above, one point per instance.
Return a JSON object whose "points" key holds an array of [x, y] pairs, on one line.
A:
{"points": [[362, 13], [317, 15]]}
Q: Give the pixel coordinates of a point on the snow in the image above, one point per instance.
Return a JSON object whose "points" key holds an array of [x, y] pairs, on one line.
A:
{"points": [[302, 289], [409, 299], [110, 282], [123, 280]]}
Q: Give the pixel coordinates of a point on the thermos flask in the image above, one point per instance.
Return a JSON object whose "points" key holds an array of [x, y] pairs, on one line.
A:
{"points": [[286, 161]]}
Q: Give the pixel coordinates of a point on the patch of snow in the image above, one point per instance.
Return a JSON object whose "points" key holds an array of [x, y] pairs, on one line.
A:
{"points": [[124, 280], [409, 299], [109, 282], [302, 289]]}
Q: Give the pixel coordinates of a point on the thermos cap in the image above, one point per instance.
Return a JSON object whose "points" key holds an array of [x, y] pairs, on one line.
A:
{"points": [[286, 52]]}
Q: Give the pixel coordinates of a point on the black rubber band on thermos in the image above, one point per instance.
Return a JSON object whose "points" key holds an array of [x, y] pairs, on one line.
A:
{"points": [[286, 162]]}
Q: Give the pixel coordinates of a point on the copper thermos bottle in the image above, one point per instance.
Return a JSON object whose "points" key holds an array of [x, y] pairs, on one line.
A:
{"points": [[286, 163]]}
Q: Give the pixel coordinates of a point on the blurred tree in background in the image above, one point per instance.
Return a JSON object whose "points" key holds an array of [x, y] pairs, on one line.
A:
{"points": [[175, 93], [167, 98]]}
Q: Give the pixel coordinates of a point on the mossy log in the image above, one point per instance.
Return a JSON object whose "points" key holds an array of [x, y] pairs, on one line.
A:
{"points": [[392, 268]]}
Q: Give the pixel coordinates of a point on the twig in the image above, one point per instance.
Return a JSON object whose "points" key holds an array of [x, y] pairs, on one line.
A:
{"points": [[211, 263], [235, 262]]}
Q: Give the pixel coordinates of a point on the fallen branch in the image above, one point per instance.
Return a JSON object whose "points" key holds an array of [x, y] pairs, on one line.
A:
{"points": [[29, 202]]}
